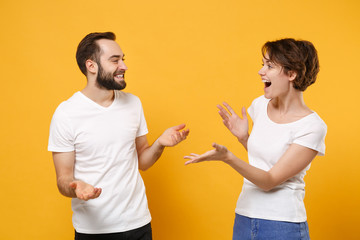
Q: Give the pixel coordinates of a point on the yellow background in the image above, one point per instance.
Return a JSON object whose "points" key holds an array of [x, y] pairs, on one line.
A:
{"points": [[184, 57]]}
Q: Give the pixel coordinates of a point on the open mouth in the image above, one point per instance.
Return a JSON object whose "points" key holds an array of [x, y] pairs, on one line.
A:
{"points": [[267, 83], [119, 76]]}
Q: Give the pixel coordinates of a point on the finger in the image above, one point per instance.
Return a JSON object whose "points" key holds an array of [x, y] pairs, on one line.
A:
{"points": [[220, 107], [243, 112], [225, 116], [229, 108], [217, 146], [179, 127], [73, 185], [226, 123], [186, 132], [194, 154], [223, 113], [100, 191], [189, 162], [97, 192]]}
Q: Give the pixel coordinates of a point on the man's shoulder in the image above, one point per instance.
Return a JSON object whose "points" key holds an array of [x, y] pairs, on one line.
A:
{"points": [[126, 95], [69, 103]]}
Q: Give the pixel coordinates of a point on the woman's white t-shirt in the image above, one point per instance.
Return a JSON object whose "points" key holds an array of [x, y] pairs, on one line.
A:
{"points": [[268, 141]]}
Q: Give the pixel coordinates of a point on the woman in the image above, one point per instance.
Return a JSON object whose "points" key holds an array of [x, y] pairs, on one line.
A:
{"points": [[285, 138]]}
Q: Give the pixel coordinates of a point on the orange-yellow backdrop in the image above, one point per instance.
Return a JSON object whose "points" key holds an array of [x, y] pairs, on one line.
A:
{"points": [[184, 57]]}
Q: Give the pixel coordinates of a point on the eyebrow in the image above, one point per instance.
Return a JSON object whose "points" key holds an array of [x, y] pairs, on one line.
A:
{"points": [[116, 56], [267, 60]]}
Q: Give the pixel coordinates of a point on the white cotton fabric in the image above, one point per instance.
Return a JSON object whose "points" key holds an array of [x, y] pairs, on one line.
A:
{"points": [[103, 139], [268, 141]]}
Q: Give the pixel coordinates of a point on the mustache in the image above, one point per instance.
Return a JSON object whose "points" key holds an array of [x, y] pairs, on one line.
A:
{"points": [[119, 72]]}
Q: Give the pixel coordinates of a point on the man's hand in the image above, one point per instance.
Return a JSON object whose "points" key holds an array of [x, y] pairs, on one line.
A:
{"points": [[85, 191], [173, 136]]}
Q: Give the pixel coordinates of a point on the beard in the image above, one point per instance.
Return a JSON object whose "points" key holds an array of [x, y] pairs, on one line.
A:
{"points": [[106, 79]]}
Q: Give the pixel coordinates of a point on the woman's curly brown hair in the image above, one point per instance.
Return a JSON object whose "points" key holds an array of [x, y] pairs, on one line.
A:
{"points": [[295, 55]]}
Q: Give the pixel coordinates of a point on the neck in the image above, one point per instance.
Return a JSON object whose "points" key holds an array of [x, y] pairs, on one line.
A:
{"points": [[290, 103], [99, 95]]}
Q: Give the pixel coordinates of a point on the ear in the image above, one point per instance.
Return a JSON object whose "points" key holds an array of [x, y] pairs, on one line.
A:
{"points": [[91, 66], [292, 75]]}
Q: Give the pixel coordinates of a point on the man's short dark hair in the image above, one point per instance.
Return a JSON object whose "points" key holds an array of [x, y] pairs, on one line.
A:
{"points": [[89, 49]]}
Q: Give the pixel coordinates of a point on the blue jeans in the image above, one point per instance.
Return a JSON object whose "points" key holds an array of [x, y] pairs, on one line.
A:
{"points": [[259, 229]]}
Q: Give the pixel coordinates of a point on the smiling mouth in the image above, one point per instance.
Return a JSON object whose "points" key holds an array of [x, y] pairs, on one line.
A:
{"points": [[119, 76], [267, 83]]}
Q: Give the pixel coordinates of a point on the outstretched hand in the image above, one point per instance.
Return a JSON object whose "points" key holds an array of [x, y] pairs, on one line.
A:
{"points": [[238, 126], [173, 136], [85, 191], [218, 153]]}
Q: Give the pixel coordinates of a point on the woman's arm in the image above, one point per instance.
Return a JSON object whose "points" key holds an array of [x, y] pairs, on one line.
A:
{"points": [[293, 161]]}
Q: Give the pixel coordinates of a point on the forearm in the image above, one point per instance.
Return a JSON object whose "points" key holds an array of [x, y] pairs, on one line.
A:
{"points": [[244, 141], [150, 155], [257, 176], [63, 184]]}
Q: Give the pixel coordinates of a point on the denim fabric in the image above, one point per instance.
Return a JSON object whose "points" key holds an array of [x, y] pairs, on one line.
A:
{"points": [[259, 229], [142, 233]]}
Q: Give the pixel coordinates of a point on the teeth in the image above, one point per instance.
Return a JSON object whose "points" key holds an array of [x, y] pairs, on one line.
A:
{"points": [[265, 81], [120, 75]]}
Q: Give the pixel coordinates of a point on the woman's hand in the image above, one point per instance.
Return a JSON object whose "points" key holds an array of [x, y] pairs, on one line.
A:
{"points": [[218, 153], [238, 126]]}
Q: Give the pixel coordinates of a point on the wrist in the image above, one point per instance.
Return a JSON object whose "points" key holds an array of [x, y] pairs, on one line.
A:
{"points": [[243, 140], [228, 158], [158, 144]]}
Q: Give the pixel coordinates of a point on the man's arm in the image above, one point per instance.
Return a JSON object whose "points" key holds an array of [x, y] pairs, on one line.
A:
{"points": [[148, 155], [68, 186]]}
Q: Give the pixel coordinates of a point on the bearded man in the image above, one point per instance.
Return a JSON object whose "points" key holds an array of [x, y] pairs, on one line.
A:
{"points": [[98, 140]]}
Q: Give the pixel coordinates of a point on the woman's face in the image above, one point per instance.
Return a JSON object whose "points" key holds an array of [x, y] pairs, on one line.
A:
{"points": [[277, 83]]}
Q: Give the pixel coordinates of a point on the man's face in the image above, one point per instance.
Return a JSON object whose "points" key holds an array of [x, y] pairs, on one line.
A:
{"points": [[107, 79], [111, 66]]}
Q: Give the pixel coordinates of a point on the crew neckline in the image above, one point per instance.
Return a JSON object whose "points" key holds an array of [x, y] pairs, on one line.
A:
{"points": [[289, 123]]}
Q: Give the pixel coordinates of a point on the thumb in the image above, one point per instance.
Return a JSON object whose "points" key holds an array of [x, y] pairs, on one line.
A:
{"points": [[73, 185], [243, 112], [179, 127]]}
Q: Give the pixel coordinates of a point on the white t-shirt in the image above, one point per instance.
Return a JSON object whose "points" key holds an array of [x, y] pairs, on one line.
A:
{"points": [[268, 141], [103, 139]]}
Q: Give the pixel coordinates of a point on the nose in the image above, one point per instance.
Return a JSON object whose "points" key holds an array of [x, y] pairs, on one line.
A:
{"points": [[122, 65], [261, 71]]}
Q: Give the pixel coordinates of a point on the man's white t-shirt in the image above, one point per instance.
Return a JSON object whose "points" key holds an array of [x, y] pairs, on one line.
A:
{"points": [[268, 141], [103, 139]]}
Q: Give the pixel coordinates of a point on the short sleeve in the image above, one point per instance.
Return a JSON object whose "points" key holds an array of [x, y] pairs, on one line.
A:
{"points": [[312, 136], [61, 137], [254, 105], [143, 130]]}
